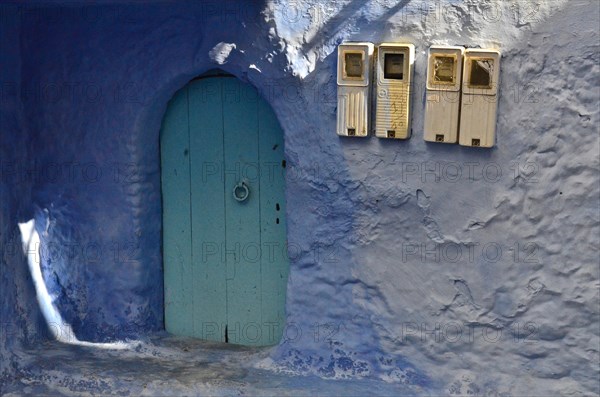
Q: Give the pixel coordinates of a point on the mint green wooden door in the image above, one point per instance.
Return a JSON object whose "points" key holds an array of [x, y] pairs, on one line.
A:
{"points": [[224, 228]]}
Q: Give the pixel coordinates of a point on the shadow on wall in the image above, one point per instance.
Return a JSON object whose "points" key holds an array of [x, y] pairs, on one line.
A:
{"points": [[336, 23], [322, 202], [116, 290]]}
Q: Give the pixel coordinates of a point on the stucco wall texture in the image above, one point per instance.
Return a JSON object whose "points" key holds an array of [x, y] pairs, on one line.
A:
{"points": [[460, 270]]}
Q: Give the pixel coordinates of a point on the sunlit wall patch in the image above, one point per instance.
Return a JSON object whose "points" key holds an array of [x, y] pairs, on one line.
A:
{"points": [[59, 328]]}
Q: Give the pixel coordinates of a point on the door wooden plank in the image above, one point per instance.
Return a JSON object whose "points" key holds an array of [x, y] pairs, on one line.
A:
{"points": [[208, 209], [243, 218], [175, 174], [274, 261]]}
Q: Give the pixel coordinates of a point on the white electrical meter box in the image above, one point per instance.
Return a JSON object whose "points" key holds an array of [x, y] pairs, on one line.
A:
{"points": [[479, 100], [442, 99], [394, 78], [354, 84]]}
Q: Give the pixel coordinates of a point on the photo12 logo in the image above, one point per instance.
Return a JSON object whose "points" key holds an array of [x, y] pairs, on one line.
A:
{"points": [[492, 252], [454, 172], [456, 332]]}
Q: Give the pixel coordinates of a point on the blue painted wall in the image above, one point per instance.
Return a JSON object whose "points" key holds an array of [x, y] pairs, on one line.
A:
{"points": [[94, 82], [21, 323], [96, 89]]}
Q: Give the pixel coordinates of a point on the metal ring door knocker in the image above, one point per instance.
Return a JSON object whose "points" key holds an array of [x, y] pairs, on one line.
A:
{"points": [[241, 191]]}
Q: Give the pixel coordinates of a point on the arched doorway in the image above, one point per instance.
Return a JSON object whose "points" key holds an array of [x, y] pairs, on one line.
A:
{"points": [[224, 227]]}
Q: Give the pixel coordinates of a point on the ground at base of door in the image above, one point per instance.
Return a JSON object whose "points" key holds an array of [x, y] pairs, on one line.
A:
{"points": [[171, 366]]}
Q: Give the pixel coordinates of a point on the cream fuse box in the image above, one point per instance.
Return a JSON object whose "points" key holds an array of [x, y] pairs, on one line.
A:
{"points": [[394, 78], [479, 100], [354, 83], [442, 98]]}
